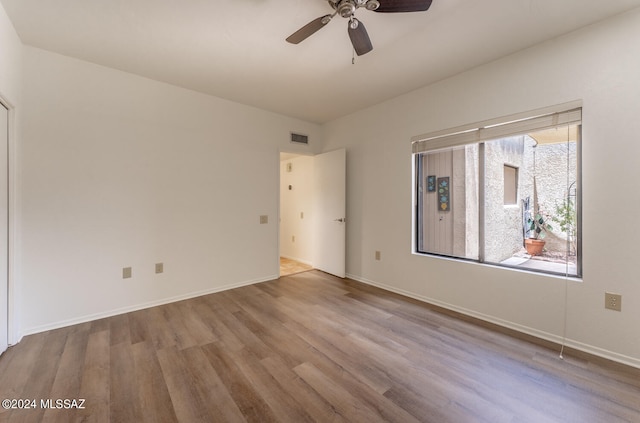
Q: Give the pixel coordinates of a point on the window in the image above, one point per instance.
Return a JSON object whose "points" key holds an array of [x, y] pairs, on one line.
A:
{"points": [[504, 193], [510, 185]]}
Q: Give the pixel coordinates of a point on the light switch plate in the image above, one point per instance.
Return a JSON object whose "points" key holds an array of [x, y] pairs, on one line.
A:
{"points": [[126, 272], [264, 219], [159, 267]]}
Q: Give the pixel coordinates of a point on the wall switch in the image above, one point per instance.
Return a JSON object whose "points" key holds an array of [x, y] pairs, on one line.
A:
{"points": [[301, 215], [159, 267], [378, 255], [293, 238], [126, 272], [613, 301], [264, 219]]}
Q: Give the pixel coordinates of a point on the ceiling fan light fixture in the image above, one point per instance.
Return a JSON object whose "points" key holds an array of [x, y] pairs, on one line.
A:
{"points": [[372, 4]]}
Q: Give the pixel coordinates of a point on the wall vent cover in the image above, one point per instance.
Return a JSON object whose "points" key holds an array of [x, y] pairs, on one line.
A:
{"points": [[299, 138]]}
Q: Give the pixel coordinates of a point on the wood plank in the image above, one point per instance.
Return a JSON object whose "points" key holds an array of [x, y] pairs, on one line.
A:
{"points": [[119, 329], [285, 407], [138, 328], [305, 395], [41, 375], [197, 393], [15, 366], [348, 403], [69, 376], [185, 396], [248, 399], [123, 396], [199, 332], [152, 393], [96, 381]]}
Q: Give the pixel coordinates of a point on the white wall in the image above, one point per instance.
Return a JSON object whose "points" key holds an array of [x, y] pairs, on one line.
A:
{"points": [[294, 202], [599, 65], [10, 93], [121, 171], [10, 60]]}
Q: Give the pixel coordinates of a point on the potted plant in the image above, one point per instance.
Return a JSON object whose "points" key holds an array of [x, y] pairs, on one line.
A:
{"points": [[565, 215], [537, 225]]}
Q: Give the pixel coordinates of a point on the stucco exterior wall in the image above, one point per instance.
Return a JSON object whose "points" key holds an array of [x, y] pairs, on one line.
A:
{"points": [[545, 174], [503, 223]]}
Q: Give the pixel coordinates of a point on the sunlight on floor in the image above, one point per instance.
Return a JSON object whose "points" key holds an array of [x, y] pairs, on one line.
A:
{"points": [[289, 267]]}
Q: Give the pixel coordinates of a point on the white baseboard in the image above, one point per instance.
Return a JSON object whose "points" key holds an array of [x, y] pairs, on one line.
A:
{"points": [[136, 307], [590, 349]]}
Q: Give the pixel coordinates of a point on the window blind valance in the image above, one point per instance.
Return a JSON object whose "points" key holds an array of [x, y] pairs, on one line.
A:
{"points": [[495, 129]]}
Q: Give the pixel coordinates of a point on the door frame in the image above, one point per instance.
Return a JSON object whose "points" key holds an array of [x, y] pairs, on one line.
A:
{"points": [[297, 154], [280, 193], [13, 331]]}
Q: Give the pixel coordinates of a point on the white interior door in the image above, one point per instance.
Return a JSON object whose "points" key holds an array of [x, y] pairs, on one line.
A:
{"points": [[330, 171], [4, 229]]}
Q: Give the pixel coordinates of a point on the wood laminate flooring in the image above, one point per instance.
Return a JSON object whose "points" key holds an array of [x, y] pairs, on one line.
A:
{"points": [[303, 348]]}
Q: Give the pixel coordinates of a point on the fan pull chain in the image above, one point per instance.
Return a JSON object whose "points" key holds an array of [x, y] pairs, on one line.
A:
{"points": [[353, 56], [568, 249]]}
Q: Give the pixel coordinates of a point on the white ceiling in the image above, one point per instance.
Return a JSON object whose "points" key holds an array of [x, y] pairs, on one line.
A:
{"points": [[236, 49]]}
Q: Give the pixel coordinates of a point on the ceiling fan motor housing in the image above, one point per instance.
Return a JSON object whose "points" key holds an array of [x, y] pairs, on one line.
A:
{"points": [[347, 8]]}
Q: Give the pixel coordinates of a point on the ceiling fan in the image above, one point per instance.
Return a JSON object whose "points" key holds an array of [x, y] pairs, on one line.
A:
{"points": [[357, 32]]}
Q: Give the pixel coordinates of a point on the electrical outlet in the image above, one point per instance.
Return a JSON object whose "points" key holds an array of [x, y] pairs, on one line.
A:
{"points": [[613, 301], [126, 272], [159, 267], [378, 255], [264, 219]]}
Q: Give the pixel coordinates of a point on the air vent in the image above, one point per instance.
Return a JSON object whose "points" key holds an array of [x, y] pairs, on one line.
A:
{"points": [[299, 138]]}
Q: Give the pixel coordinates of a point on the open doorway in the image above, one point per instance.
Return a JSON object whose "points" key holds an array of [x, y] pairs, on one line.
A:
{"points": [[312, 225], [296, 213]]}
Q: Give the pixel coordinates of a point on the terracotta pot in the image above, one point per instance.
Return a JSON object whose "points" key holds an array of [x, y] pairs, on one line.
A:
{"points": [[534, 246]]}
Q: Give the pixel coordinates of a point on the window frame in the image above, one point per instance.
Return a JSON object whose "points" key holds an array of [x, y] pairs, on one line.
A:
{"points": [[513, 183], [566, 114]]}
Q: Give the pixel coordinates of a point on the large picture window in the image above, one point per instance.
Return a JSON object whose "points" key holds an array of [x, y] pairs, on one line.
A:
{"points": [[503, 193]]}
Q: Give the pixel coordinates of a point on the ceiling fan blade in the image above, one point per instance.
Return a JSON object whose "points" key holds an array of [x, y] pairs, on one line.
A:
{"points": [[396, 6], [359, 38], [309, 29]]}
